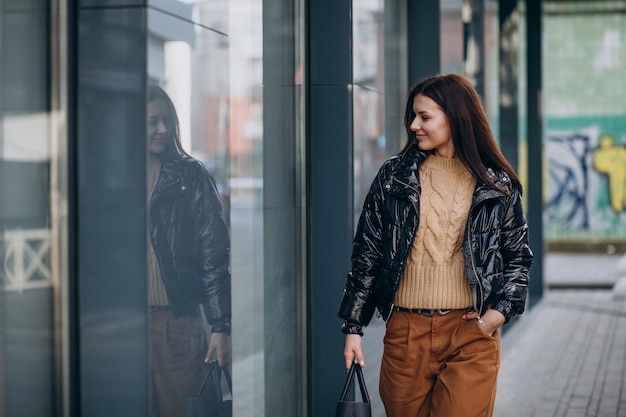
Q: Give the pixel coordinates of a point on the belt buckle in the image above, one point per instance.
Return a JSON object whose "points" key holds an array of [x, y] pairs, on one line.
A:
{"points": [[443, 312], [428, 313]]}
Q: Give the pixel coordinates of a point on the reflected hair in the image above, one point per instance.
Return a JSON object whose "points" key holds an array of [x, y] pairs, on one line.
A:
{"points": [[174, 149], [472, 137]]}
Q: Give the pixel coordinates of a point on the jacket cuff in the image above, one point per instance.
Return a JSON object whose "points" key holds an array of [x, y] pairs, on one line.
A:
{"points": [[506, 309], [351, 328], [221, 326]]}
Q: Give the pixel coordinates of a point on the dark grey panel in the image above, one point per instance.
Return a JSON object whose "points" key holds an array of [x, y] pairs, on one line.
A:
{"points": [[29, 353], [25, 198], [110, 3], [534, 131], [10, 6], [329, 194], [330, 235], [424, 25], [112, 212], [330, 37], [25, 61]]}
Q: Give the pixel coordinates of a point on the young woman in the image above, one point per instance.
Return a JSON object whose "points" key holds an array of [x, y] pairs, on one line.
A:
{"points": [[188, 266], [441, 250]]}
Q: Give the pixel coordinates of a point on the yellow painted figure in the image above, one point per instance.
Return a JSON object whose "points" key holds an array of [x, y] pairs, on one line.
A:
{"points": [[610, 159]]}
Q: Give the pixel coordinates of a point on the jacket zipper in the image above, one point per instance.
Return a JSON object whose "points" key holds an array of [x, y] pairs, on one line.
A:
{"points": [[165, 190], [418, 192], [480, 289], [408, 186]]}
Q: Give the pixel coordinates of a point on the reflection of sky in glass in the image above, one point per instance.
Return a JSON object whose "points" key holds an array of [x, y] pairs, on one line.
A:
{"points": [[15, 128], [367, 32], [368, 94]]}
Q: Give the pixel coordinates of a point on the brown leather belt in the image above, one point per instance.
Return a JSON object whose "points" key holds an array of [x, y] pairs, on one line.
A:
{"points": [[425, 311]]}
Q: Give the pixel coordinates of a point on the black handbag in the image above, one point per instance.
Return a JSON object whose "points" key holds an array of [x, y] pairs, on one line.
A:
{"points": [[215, 406], [347, 408]]}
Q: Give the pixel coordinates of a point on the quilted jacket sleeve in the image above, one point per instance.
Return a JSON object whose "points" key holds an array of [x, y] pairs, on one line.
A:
{"points": [[517, 258], [358, 303], [212, 246]]}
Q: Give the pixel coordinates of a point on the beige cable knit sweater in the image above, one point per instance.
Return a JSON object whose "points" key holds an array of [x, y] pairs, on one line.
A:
{"points": [[434, 276], [157, 295]]}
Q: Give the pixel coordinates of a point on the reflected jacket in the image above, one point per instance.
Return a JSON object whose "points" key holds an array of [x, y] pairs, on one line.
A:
{"points": [[496, 254], [191, 241]]}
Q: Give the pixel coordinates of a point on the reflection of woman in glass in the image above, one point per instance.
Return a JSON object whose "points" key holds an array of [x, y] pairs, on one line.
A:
{"points": [[188, 264]]}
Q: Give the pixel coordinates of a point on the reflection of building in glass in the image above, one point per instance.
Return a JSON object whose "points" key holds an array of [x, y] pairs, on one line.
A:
{"points": [[291, 105], [191, 61], [368, 93]]}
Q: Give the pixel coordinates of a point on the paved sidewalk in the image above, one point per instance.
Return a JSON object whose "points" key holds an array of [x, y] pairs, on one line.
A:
{"points": [[566, 357], [580, 270]]}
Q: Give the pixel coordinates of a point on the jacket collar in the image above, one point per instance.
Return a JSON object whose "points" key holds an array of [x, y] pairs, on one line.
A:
{"points": [[484, 191], [169, 180], [404, 179]]}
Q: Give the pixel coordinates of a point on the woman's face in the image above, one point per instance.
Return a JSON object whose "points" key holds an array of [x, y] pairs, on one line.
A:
{"points": [[159, 127], [431, 127]]}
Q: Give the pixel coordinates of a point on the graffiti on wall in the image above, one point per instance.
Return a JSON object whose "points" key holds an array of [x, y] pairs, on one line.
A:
{"points": [[610, 159], [568, 179], [586, 185]]}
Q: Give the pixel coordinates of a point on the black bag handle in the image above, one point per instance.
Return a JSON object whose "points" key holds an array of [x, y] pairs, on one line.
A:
{"points": [[355, 369], [216, 372]]}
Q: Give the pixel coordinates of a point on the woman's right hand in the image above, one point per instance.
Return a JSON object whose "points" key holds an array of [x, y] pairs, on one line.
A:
{"points": [[352, 349]]}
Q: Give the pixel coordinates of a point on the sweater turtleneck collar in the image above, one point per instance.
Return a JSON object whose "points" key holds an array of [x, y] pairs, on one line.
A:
{"points": [[445, 164]]}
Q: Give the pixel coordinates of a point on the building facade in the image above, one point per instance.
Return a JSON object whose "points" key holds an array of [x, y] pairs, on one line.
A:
{"points": [[291, 106]]}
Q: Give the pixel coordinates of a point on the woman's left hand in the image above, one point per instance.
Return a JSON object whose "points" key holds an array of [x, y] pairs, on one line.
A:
{"points": [[489, 322], [218, 346]]}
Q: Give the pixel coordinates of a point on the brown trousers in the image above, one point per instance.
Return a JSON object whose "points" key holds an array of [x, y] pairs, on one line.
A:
{"points": [[178, 348], [439, 366]]}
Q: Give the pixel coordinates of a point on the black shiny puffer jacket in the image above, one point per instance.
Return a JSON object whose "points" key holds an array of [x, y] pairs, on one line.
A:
{"points": [[495, 247], [191, 241]]}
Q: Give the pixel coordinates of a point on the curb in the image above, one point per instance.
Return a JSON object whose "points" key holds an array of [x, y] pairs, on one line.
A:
{"points": [[619, 289]]}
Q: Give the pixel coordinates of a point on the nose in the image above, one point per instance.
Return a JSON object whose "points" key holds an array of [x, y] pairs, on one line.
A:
{"points": [[415, 126], [161, 127]]}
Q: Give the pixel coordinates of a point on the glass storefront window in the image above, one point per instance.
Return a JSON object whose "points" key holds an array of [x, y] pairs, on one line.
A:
{"points": [[233, 75], [188, 195], [27, 279], [368, 42]]}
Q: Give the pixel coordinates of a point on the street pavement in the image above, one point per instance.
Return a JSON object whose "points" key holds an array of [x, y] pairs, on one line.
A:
{"points": [[565, 357]]}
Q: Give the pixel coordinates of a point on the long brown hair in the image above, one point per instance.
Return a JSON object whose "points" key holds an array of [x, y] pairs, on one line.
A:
{"points": [[174, 149], [473, 140]]}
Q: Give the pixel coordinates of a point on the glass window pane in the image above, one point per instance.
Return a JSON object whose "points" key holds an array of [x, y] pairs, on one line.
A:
{"points": [[188, 194], [233, 72], [26, 278], [369, 94]]}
